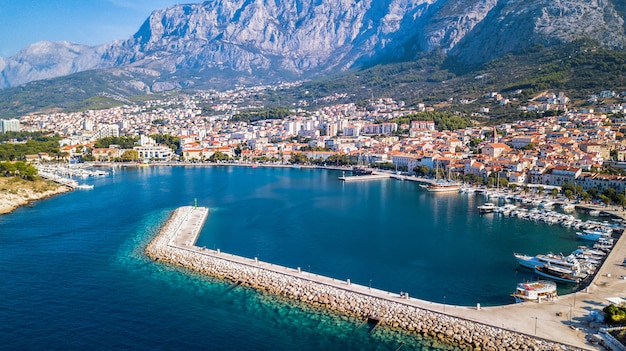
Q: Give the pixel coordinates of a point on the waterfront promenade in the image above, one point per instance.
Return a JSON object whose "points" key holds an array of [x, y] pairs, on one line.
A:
{"points": [[549, 321]]}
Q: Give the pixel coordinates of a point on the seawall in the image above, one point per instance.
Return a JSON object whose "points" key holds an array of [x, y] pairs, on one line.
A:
{"points": [[175, 244]]}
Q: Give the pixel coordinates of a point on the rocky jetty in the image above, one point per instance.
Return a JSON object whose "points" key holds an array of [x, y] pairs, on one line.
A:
{"points": [[390, 312]]}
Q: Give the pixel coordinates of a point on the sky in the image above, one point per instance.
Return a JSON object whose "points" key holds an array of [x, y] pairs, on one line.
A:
{"points": [[88, 22]]}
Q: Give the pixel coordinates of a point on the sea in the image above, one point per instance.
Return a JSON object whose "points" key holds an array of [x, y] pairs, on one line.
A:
{"points": [[74, 276]]}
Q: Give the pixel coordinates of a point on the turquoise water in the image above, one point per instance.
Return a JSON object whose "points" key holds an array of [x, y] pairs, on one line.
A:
{"points": [[74, 275]]}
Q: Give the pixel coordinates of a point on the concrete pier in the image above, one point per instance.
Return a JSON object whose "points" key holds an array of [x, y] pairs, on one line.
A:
{"points": [[529, 326], [374, 176]]}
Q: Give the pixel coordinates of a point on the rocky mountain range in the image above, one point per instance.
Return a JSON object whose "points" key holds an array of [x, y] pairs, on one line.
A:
{"points": [[269, 40]]}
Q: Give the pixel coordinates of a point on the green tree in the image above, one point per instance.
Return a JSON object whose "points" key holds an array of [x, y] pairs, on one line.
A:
{"points": [[130, 155], [166, 139], [569, 194], [25, 171], [540, 190], [614, 314], [298, 158], [621, 200], [8, 169], [123, 141], [605, 199], [555, 192], [423, 171], [586, 197], [218, 156]]}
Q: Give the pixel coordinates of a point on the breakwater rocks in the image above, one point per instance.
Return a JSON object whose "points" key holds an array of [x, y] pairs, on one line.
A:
{"points": [[338, 296]]}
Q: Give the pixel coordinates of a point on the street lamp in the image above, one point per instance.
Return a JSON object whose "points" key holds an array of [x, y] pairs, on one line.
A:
{"points": [[370, 285], [444, 303], [535, 326]]}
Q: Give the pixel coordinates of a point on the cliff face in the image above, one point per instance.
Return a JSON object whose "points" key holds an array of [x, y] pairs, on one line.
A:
{"points": [[283, 39]]}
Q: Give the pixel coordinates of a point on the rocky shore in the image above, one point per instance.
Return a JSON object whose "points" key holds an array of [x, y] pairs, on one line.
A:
{"points": [[391, 312], [13, 196]]}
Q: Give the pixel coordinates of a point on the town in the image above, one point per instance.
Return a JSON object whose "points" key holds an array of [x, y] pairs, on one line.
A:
{"points": [[568, 146]]}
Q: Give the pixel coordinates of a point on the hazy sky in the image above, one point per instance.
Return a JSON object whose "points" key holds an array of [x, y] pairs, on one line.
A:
{"points": [[89, 22]]}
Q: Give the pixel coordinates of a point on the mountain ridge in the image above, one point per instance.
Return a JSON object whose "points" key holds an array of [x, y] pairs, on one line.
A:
{"points": [[270, 40]]}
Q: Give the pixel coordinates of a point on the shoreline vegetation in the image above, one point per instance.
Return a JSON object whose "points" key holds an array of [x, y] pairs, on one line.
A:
{"points": [[16, 192]]}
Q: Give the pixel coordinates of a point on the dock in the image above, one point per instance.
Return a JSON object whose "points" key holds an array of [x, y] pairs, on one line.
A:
{"points": [[530, 323], [375, 176]]}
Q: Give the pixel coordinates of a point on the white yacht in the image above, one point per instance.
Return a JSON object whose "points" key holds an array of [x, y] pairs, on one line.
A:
{"points": [[487, 207], [567, 262]]}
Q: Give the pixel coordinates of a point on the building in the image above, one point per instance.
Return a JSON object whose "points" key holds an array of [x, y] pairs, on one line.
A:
{"points": [[10, 125], [423, 125], [107, 130], [519, 142], [149, 150], [495, 149], [593, 148], [560, 175]]}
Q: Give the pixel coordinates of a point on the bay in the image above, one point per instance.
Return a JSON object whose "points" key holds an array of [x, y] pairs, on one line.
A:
{"points": [[74, 275]]}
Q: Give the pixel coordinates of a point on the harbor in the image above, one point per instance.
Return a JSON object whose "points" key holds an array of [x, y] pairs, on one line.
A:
{"points": [[68, 175], [541, 324]]}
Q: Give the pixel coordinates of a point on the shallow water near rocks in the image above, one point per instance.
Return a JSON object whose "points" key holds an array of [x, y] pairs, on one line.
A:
{"points": [[75, 275]]}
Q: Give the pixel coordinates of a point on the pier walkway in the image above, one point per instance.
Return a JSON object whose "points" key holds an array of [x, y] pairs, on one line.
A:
{"points": [[377, 175], [560, 321]]}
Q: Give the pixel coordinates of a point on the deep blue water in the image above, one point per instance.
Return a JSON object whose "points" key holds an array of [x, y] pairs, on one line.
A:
{"points": [[74, 276]]}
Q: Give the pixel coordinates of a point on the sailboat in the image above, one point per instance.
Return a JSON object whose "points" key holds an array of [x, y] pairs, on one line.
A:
{"points": [[360, 169], [442, 185]]}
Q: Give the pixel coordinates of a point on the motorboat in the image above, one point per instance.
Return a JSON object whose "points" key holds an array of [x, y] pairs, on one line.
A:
{"points": [[542, 290], [567, 262], [559, 274], [487, 207], [594, 235]]}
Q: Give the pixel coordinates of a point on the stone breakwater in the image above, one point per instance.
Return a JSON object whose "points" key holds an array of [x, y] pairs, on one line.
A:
{"points": [[334, 295]]}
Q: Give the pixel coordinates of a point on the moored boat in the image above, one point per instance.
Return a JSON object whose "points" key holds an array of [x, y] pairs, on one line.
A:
{"points": [[566, 262], [568, 207], [358, 171], [542, 290], [487, 207], [443, 187], [559, 274], [467, 190], [593, 235]]}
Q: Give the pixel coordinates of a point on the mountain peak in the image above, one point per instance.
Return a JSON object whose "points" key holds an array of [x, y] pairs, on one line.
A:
{"points": [[283, 39]]}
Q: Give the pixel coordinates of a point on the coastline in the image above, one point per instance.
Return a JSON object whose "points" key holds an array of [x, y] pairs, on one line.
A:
{"points": [[554, 318], [25, 193], [489, 328]]}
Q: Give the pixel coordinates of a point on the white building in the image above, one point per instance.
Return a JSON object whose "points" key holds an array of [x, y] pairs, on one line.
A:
{"points": [[107, 130], [149, 150], [10, 125]]}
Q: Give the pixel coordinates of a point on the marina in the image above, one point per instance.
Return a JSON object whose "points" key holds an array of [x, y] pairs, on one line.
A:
{"points": [[175, 244], [144, 188], [68, 175]]}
